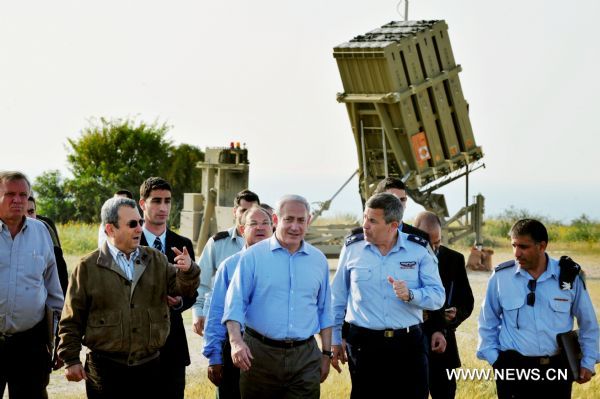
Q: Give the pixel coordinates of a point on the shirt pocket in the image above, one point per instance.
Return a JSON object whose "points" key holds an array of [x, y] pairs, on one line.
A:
{"points": [[34, 265], [360, 274], [511, 307], [360, 279], [104, 331], [561, 313]]}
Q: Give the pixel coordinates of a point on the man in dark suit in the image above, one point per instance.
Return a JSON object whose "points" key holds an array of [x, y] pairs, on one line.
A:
{"points": [[441, 324], [155, 202]]}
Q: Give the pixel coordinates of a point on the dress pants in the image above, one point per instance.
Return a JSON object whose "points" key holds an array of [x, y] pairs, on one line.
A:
{"points": [[512, 387], [282, 373], [25, 363], [108, 379], [394, 364], [230, 383]]}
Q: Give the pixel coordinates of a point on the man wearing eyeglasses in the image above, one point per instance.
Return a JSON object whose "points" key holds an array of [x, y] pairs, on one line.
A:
{"points": [[256, 226], [117, 307], [528, 302]]}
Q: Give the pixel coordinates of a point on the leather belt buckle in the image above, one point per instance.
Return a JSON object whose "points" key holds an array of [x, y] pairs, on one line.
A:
{"points": [[388, 333], [544, 361]]}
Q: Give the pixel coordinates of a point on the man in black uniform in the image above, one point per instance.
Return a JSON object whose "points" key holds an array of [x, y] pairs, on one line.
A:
{"points": [[155, 201], [440, 325]]}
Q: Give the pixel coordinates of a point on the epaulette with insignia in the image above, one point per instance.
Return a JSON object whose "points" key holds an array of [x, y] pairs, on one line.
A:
{"points": [[220, 235], [505, 265], [354, 238], [569, 270], [419, 240]]}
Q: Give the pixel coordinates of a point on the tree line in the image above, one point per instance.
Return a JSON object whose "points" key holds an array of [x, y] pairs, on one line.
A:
{"points": [[116, 154]]}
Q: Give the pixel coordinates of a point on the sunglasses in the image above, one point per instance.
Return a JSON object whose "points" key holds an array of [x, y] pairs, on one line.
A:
{"points": [[531, 296], [132, 224]]}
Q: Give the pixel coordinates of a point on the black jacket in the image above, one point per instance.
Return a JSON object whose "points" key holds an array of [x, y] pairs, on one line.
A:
{"points": [[451, 265], [176, 351]]}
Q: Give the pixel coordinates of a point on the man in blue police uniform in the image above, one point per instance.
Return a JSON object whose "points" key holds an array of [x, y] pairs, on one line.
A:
{"points": [[382, 284], [280, 292], [219, 247], [440, 325], [528, 302], [256, 226]]}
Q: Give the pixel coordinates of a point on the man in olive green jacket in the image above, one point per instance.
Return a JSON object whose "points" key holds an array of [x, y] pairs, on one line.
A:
{"points": [[116, 306]]}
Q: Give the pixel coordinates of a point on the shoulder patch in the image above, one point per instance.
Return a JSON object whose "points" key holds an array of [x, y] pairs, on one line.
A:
{"points": [[505, 265], [569, 270], [220, 235], [419, 240], [354, 238]]}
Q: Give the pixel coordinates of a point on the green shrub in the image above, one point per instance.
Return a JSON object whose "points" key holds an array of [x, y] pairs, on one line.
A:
{"points": [[78, 238]]}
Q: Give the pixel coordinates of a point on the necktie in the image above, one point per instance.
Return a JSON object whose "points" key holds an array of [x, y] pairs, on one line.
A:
{"points": [[157, 244]]}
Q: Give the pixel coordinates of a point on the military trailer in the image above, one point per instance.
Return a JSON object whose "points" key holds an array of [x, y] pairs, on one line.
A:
{"points": [[409, 117], [224, 173]]}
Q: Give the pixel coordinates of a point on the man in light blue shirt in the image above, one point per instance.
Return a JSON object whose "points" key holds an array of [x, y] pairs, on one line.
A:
{"points": [[528, 302], [380, 288], [217, 249], [281, 293], [256, 226], [30, 292]]}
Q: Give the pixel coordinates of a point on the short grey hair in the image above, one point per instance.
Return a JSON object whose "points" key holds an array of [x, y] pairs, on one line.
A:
{"points": [[11, 175], [390, 204], [292, 198], [110, 209]]}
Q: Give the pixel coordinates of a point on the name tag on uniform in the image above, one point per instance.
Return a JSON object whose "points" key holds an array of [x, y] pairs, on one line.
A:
{"points": [[408, 265], [561, 299]]}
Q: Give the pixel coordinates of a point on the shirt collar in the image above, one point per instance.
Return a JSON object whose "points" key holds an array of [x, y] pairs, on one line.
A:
{"points": [[552, 269], [3, 225], [115, 252], [400, 243], [150, 237], [275, 244], [233, 233]]}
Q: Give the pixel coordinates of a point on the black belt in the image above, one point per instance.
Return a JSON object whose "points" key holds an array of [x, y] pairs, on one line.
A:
{"points": [[533, 360], [387, 333], [287, 343]]}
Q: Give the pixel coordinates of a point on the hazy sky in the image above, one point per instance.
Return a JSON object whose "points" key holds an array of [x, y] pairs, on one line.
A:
{"points": [[262, 72]]}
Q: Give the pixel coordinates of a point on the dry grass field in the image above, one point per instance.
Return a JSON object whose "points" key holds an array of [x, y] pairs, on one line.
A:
{"points": [[338, 385]]}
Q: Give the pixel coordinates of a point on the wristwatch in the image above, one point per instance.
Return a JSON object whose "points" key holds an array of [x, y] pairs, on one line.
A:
{"points": [[411, 296], [329, 354]]}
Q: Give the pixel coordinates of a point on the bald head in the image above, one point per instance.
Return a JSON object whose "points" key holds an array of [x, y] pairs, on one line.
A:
{"points": [[430, 223]]}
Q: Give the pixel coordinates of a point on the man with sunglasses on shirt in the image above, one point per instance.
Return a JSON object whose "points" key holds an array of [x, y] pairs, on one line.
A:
{"points": [[117, 307], [529, 301]]}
